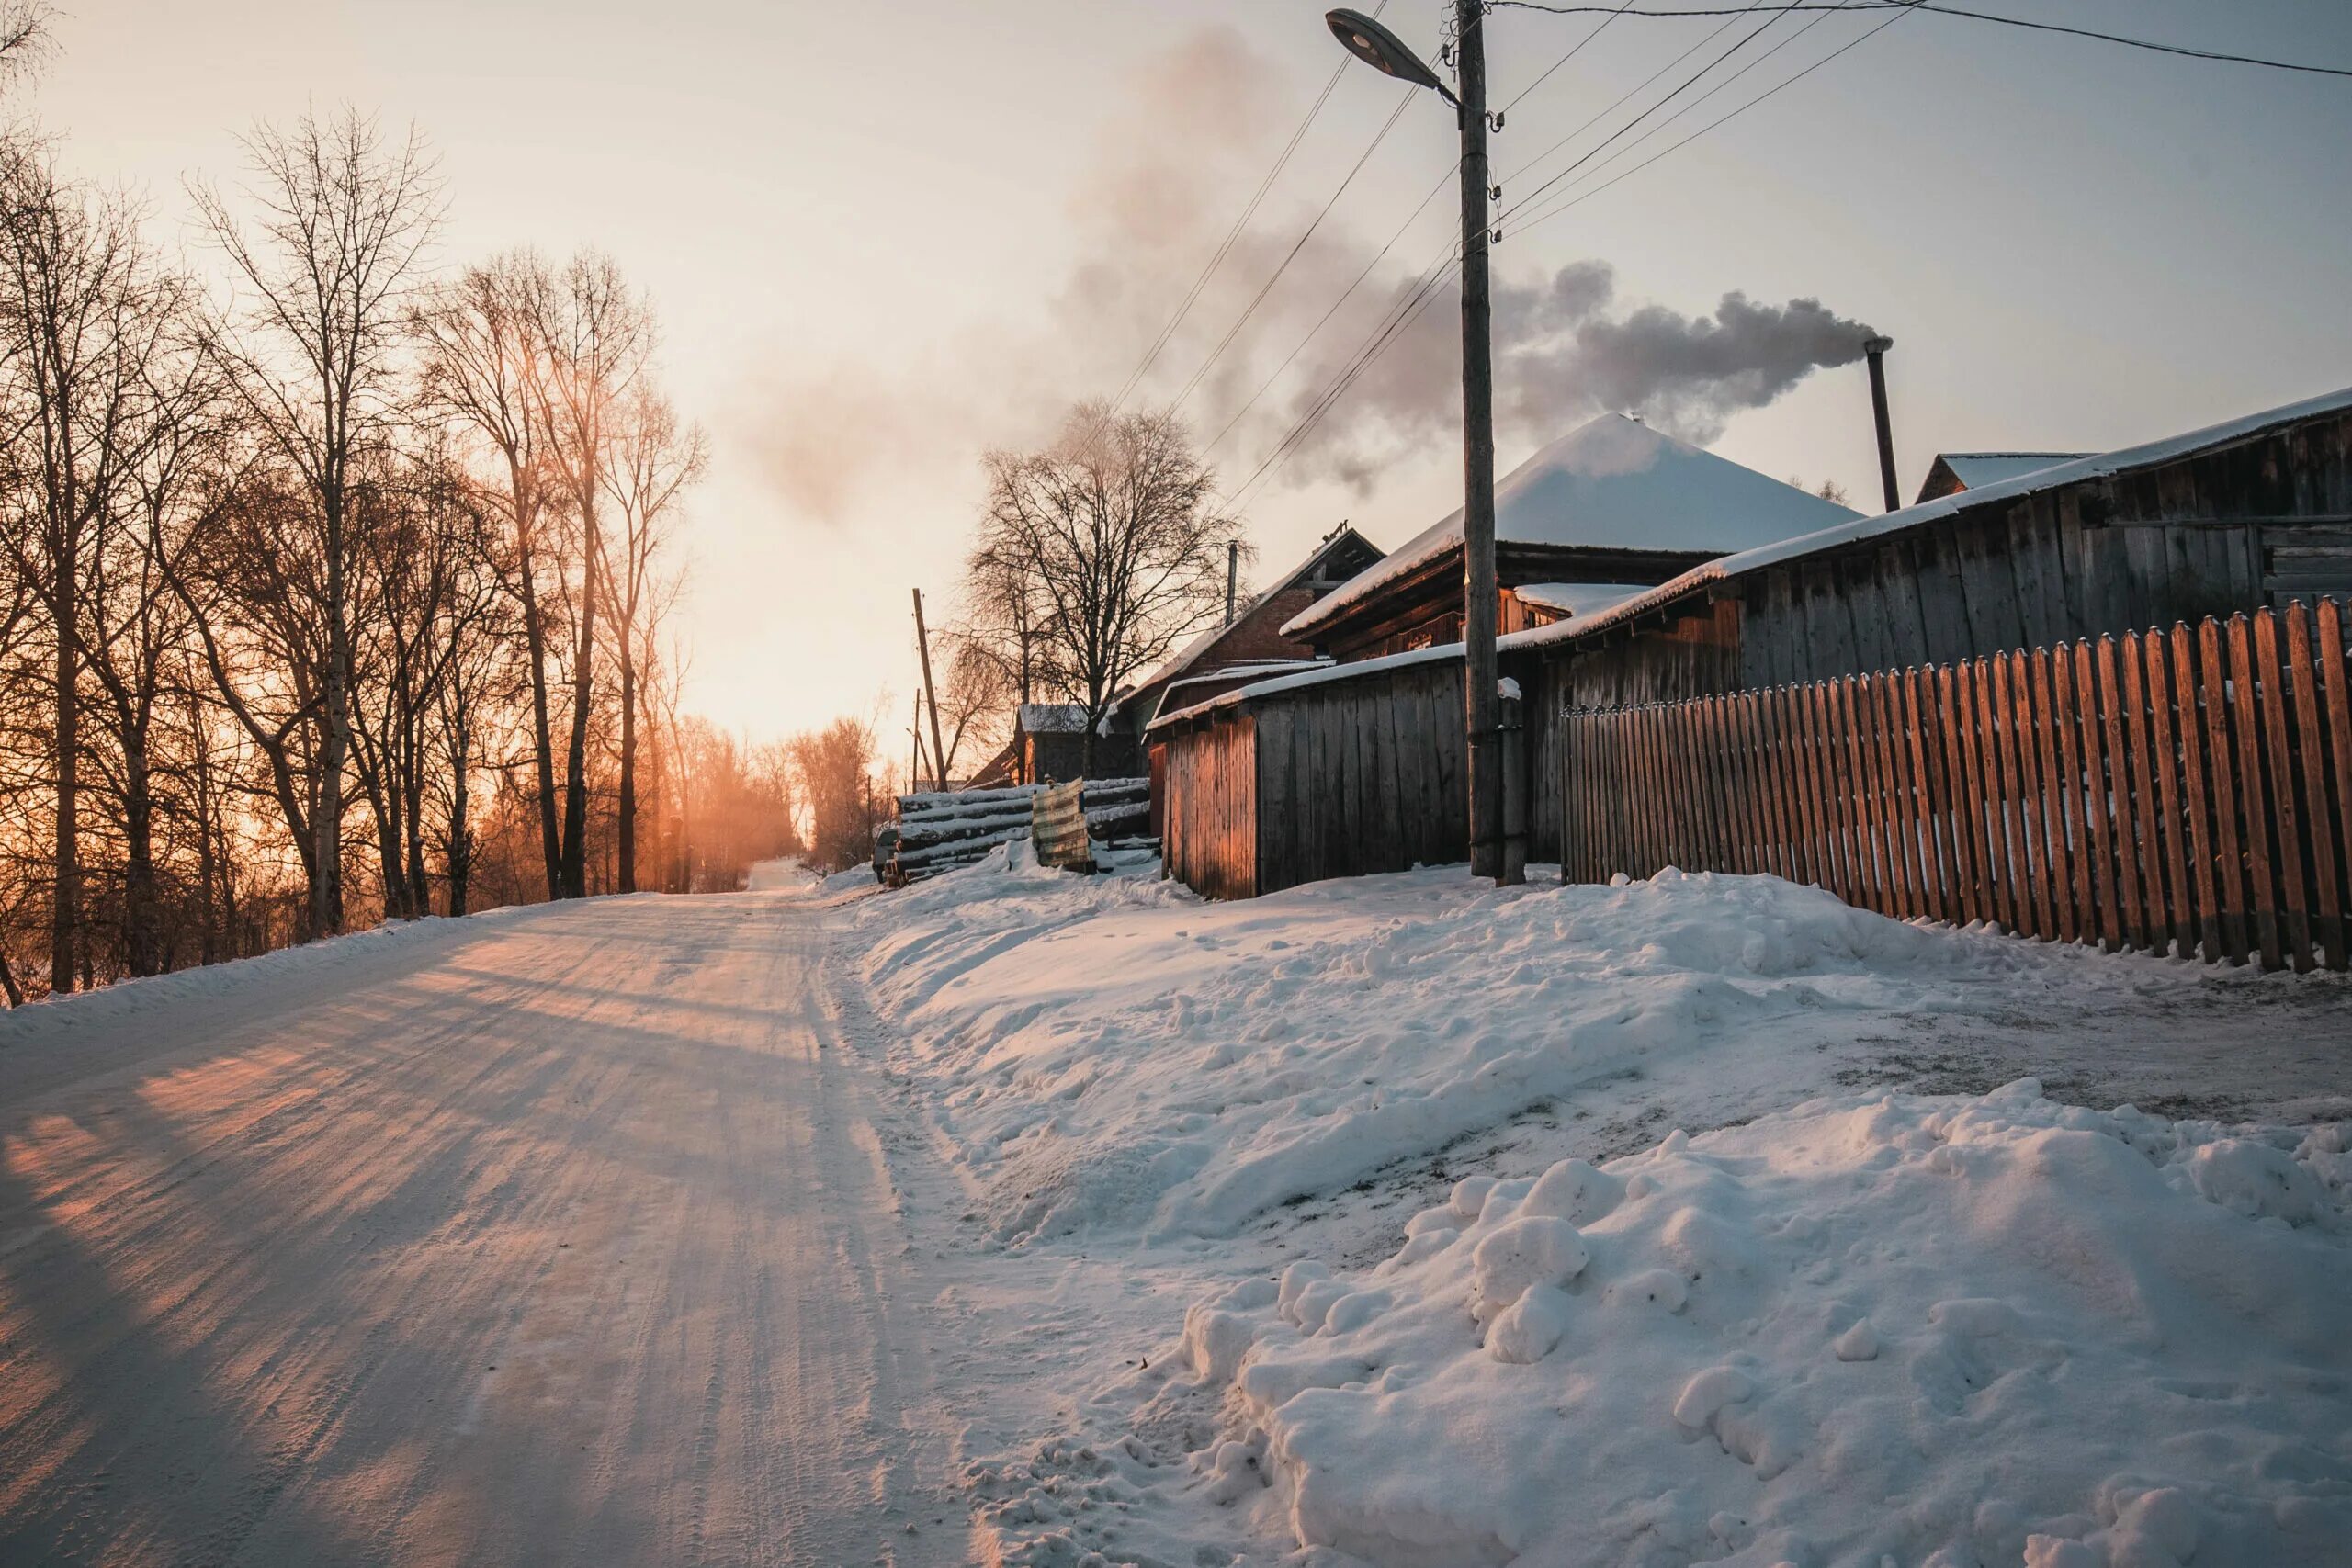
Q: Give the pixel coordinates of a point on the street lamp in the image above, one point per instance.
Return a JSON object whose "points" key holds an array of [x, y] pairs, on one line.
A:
{"points": [[1385, 52]]}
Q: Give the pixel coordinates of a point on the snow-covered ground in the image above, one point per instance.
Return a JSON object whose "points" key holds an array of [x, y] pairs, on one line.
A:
{"points": [[1404, 1222]]}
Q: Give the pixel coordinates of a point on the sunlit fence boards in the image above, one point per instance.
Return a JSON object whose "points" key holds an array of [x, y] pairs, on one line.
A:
{"points": [[2178, 790]]}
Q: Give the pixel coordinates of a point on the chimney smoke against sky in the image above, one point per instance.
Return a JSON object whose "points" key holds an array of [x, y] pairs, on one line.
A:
{"points": [[1170, 176]]}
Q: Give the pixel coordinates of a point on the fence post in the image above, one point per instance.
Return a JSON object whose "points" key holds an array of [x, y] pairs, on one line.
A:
{"points": [[1511, 733]]}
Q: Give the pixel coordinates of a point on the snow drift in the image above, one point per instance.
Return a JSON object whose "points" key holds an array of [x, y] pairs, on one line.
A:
{"points": [[1949, 1331]]}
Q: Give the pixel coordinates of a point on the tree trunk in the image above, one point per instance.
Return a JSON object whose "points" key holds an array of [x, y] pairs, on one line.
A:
{"points": [[461, 848], [627, 826], [575, 785], [142, 940], [326, 825], [535, 636], [65, 900]]}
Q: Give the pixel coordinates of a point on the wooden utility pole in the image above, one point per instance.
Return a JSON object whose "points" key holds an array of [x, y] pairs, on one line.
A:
{"points": [[1479, 593], [938, 754]]}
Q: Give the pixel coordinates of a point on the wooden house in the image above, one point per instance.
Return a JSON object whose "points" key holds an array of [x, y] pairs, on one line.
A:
{"points": [[1252, 646], [1607, 509]]}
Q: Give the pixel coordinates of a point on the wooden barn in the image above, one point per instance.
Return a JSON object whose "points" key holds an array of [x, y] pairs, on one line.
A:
{"points": [[1610, 508], [1300, 777]]}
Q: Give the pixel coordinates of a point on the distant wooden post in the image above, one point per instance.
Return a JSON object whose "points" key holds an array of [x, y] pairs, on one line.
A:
{"points": [[938, 752]]}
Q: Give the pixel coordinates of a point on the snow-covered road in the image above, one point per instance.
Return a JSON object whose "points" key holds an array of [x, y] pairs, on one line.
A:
{"points": [[559, 1235]]}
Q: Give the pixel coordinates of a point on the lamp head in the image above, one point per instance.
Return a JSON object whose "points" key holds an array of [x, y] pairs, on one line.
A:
{"points": [[1380, 48]]}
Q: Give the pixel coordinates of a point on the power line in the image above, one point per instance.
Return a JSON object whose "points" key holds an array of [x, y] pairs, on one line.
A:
{"points": [[1281, 161], [1572, 53], [1307, 233], [1654, 132], [1345, 295], [1941, 10], [1521, 204], [1410, 304], [1860, 38]]}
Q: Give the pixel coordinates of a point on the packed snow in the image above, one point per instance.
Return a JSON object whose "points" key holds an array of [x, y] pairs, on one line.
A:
{"points": [[1618, 1225]]}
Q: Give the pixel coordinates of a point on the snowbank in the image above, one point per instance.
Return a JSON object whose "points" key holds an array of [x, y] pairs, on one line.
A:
{"points": [[1943, 1330], [1113, 1054]]}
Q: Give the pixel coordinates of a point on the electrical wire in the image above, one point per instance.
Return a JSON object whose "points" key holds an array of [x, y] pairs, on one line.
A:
{"points": [[1597, 30], [1941, 10], [1299, 244], [1860, 38]]}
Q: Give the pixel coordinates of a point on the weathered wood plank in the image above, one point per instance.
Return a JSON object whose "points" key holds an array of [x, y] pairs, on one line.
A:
{"points": [[1822, 785], [1929, 756], [2074, 803], [2098, 800], [2147, 847], [2335, 684], [1976, 732], [2171, 818], [2055, 836], [2007, 735], [1794, 722], [2195, 789], [2311, 735], [1952, 713], [1901, 816], [2254, 790], [2030, 812], [2221, 762], [2275, 705]]}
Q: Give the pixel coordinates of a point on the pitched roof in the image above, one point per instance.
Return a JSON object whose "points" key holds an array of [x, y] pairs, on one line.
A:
{"points": [[1184, 657], [1051, 718], [1976, 468], [1576, 598], [1614, 483], [2105, 465]]}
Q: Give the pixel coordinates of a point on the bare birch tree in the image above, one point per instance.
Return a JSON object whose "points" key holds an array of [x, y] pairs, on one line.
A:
{"points": [[341, 220]]}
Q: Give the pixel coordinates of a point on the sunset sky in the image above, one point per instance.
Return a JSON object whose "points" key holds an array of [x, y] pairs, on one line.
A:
{"points": [[883, 236]]}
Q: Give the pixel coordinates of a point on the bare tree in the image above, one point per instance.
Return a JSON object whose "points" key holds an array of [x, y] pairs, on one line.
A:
{"points": [[653, 460], [484, 367], [342, 222], [595, 333], [1115, 531], [84, 314]]}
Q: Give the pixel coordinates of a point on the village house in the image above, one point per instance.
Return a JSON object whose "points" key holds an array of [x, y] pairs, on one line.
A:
{"points": [[1610, 508]]}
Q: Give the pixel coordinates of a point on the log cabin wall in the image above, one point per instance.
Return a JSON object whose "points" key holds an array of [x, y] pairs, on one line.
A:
{"points": [[1361, 775], [2237, 529], [1209, 772]]}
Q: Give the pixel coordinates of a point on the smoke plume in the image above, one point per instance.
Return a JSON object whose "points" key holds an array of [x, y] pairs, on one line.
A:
{"points": [[1169, 176]]}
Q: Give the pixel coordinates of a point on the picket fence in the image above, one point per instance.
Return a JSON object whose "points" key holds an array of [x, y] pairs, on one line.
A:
{"points": [[2180, 790]]}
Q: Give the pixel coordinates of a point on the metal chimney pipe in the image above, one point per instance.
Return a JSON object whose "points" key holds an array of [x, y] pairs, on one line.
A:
{"points": [[1232, 573], [1876, 348]]}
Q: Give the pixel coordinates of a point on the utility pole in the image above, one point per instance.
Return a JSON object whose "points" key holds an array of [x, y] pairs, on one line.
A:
{"points": [[1490, 784], [1479, 593], [938, 754]]}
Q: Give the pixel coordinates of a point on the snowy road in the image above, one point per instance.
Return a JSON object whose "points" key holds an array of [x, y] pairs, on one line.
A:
{"points": [[556, 1237]]}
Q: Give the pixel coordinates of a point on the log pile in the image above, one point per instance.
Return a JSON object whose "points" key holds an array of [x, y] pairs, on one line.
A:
{"points": [[937, 832]]}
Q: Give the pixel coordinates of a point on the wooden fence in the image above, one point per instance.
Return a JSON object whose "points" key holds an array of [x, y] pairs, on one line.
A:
{"points": [[2180, 790]]}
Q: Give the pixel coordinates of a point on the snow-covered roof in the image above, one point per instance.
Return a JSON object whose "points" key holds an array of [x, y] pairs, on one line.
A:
{"points": [[1053, 719], [1976, 468], [2101, 466], [1323, 672], [1576, 598], [1182, 659], [1614, 483]]}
